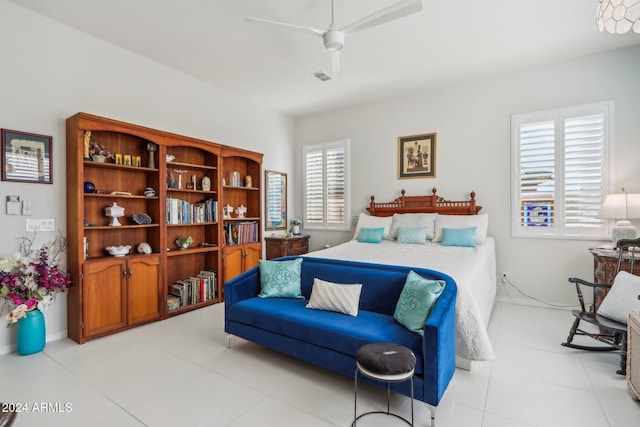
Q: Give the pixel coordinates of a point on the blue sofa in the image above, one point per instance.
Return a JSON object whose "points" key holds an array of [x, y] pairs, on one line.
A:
{"points": [[330, 339]]}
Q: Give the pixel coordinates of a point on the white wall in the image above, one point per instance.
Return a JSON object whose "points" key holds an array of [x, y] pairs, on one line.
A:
{"points": [[472, 121], [50, 72]]}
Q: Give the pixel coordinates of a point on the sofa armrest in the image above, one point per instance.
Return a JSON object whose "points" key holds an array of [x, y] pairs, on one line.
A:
{"points": [[439, 342], [244, 286]]}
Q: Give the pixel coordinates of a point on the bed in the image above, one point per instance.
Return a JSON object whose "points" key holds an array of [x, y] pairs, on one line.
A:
{"points": [[472, 266]]}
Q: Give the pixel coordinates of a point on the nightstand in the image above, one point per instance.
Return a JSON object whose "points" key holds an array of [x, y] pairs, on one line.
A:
{"points": [[286, 246]]}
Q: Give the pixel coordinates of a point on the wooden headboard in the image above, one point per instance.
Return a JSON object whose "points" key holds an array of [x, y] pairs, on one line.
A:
{"points": [[425, 204]]}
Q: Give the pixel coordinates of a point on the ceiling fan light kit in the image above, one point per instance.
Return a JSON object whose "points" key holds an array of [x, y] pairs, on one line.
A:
{"points": [[333, 37], [333, 40]]}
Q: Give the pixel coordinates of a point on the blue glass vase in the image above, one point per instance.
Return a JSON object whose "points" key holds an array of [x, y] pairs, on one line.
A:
{"points": [[31, 333]]}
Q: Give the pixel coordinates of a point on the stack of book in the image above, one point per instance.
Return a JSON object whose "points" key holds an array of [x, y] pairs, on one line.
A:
{"points": [[241, 232], [182, 212], [193, 290]]}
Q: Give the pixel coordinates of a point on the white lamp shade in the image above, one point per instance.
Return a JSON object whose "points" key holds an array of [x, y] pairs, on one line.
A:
{"points": [[620, 206]]}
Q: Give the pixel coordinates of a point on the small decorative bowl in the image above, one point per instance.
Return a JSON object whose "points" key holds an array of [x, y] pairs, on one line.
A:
{"points": [[98, 158], [118, 250]]}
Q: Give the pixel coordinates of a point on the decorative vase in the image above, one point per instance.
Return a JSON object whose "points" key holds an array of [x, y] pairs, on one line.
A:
{"points": [[31, 333], [296, 229]]}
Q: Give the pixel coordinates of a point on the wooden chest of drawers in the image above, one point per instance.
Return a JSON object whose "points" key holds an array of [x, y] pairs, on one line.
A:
{"points": [[287, 246]]}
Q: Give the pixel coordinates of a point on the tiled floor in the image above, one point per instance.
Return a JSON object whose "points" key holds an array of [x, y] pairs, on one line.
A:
{"points": [[179, 373]]}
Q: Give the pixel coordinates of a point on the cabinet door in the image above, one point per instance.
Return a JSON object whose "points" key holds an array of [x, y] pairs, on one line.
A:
{"points": [[233, 260], [104, 296], [251, 256], [143, 289]]}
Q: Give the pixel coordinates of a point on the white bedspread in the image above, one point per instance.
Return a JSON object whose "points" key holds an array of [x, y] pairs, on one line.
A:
{"points": [[473, 269]]}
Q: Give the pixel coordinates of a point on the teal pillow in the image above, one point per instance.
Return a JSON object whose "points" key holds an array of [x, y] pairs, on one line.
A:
{"points": [[459, 237], [371, 235], [417, 298], [280, 279], [412, 235]]}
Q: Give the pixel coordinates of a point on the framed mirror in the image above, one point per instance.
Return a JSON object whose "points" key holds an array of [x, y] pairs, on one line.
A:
{"points": [[275, 196]]}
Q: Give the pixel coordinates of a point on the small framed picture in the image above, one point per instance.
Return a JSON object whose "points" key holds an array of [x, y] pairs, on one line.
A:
{"points": [[537, 213], [417, 156], [118, 158], [127, 159], [26, 157]]}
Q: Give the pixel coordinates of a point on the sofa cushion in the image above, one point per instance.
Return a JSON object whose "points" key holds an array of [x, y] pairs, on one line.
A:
{"points": [[335, 331], [280, 279], [417, 298], [335, 297]]}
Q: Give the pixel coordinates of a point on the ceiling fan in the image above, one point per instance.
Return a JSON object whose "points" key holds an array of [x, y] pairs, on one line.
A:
{"points": [[333, 37]]}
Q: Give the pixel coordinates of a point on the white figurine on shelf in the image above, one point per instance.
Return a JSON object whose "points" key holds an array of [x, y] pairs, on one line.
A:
{"points": [[240, 211], [227, 210]]}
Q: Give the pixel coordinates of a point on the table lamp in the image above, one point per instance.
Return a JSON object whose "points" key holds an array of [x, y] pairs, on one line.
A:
{"points": [[622, 207]]}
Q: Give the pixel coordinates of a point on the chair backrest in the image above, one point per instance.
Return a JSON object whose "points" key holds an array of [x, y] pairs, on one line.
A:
{"points": [[628, 252]]}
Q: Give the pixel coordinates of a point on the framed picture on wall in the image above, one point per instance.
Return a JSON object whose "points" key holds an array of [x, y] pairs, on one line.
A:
{"points": [[417, 156], [26, 157]]}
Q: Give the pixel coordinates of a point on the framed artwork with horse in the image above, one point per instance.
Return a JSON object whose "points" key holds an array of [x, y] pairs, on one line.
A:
{"points": [[417, 156]]}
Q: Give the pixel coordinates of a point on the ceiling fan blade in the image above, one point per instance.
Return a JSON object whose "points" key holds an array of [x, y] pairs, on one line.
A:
{"points": [[285, 25], [336, 62], [390, 13]]}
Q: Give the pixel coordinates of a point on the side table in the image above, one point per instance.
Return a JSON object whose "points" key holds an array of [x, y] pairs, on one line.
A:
{"points": [[278, 246], [605, 262]]}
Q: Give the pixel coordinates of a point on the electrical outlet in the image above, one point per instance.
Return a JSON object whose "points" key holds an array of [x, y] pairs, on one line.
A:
{"points": [[48, 224], [503, 277], [33, 224]]}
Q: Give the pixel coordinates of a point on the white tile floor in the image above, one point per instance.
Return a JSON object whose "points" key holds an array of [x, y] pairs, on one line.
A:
{"points": [[179, 373]]}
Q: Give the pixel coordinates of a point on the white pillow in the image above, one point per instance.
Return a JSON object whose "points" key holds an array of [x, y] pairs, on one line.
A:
{"points": [[370, 221], [480, 221], [413, 220], [622, 299], [335, 297]]}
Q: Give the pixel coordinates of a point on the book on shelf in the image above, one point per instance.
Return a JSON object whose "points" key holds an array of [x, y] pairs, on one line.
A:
{"points": [[195, 289], [173, 302], [183, 212], [241, 232]]}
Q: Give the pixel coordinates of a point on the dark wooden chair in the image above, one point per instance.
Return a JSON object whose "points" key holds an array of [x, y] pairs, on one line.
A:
{"points": [[611, 334]]}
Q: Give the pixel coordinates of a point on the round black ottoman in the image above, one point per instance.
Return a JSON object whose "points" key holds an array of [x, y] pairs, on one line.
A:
{"points": [[386, 362]]}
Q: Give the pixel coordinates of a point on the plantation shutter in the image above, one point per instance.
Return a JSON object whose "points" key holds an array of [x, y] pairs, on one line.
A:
{"points": [[562, 170], [584, 170], [326, 202], [314, 187]]}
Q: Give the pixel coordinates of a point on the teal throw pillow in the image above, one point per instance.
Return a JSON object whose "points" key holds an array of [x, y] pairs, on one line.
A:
{"points": [[408, 235], [280, 279], [416, 301], [371, 235], [459, 237]]}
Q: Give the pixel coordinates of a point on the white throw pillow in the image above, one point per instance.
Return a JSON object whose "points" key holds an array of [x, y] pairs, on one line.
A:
{"points": [[622, 299], [335, 297], [413, 220], [480, 221], [370, 221]]}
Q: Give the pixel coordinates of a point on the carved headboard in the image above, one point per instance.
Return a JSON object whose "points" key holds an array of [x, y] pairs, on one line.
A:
{"points": [[425, 204]]}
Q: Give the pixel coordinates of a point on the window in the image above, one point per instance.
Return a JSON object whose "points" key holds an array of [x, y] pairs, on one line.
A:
{"points": [[561, 171], [326, 186]]}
